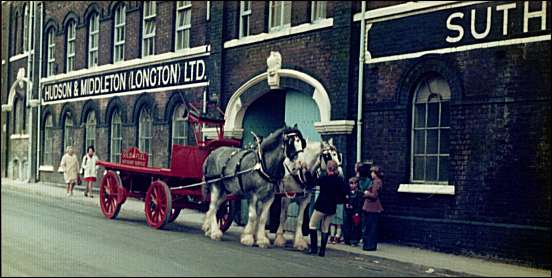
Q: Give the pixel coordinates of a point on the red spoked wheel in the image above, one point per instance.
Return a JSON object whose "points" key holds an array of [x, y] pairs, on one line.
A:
{"points": [[174, 214], [158, 204], [225, 215], [111, 194]]}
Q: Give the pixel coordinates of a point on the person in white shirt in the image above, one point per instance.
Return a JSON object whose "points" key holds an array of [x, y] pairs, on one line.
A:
{"points": [[69, 165], [89, 169]]}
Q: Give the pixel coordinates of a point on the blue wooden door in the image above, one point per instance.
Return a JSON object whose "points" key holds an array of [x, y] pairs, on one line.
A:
{"points": [[300, 109]]}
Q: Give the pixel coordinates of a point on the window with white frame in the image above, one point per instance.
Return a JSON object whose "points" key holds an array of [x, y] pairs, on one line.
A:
{"points": [[67, 132], [90, 129], [119, 35], [183, 24], [180, 126], [148, 31], [51, 62], [279, 15], [25, 47], [318, 10], [245, 15], [116, 137], [145, 131], [71, 35], [93, 40], [48, 141], [430, 131], [16, 35]]}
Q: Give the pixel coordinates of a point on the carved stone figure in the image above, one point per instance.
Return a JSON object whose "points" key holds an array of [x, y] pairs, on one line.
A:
{"points": [[274, 63]]}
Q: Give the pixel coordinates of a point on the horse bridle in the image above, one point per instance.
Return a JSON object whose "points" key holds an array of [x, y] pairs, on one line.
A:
{"points": [[325, 156], [286, 140]]}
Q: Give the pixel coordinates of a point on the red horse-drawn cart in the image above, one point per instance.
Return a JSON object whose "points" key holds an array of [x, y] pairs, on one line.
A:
{"points": [[166, 191]]}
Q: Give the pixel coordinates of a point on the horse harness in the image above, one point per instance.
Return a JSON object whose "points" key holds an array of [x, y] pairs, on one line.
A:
{"points": [[259, 166]]}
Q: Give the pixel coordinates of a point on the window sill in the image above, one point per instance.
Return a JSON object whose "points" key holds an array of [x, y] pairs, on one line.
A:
{"points": [[19, 136], [126, 64], [440, 189], [46, 168], [328, 22], [19, 56]]}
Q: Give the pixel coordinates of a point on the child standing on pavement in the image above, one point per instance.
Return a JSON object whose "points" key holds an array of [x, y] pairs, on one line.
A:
{"points": [[353, 211]]}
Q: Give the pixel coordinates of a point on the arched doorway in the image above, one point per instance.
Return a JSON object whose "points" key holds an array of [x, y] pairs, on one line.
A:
{"points": [[270, 112]]}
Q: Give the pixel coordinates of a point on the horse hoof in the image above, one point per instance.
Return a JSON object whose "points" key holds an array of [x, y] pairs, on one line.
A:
{"points": [[216, 235], [247, 240], [280, 241], [263, 243], [300, 245]]}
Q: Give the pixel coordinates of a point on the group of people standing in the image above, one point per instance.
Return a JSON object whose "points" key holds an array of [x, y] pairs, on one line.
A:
{"points": [[361, 203], [73, 173]]}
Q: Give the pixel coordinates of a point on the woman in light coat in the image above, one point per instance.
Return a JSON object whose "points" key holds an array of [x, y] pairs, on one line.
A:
{"points": [[89, 168], [69, 165]]}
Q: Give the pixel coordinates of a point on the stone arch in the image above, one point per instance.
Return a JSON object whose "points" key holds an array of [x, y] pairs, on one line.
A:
{"points": [[145, 100], [90, 10], [113, 7], [429, 65], [115, 104], [70, 16], [22, 82], [244, 96], [90, 106]]}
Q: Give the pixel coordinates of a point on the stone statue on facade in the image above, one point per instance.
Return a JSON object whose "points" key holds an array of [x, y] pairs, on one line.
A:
{"points": [[274, 63]]}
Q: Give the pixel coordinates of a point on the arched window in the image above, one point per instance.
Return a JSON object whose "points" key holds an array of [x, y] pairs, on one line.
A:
{"points": [[48, 141], [51, 58], [67, 131], [144, 131], [116, 137], [71, 36], [430, 131], [90, 129], [180, 126], [25, 32], [183, 24], [119, 35], [93, 39], [148, 35]]}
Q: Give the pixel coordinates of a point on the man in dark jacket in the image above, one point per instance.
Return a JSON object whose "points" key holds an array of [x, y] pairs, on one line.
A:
{"points": [[332, 192]]}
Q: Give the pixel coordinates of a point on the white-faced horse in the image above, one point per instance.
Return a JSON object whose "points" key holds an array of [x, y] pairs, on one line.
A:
{"points": [[261, 171], [315, 156]]}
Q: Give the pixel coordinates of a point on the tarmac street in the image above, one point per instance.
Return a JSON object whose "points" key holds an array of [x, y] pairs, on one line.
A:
{"points": [[45, 236], [45, 233]]}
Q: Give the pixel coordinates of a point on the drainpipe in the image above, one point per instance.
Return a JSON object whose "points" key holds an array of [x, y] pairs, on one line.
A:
{"points": [[30, 59], [40, 31], [360, 85]]}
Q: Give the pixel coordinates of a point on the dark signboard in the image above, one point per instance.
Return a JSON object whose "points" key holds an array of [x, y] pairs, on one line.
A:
{"points": [[458, 26], [179, 74]]}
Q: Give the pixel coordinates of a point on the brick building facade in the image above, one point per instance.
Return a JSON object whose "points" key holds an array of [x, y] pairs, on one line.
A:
{"points": [[455, 99]]}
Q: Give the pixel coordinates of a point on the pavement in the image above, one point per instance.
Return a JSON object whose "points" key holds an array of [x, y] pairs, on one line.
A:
{"points": [[429, 259]]}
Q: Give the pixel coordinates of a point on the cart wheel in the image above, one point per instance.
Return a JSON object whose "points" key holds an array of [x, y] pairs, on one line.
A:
{"points": [[110, 194], [225, 215], [158, 204], [174, 215]]}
